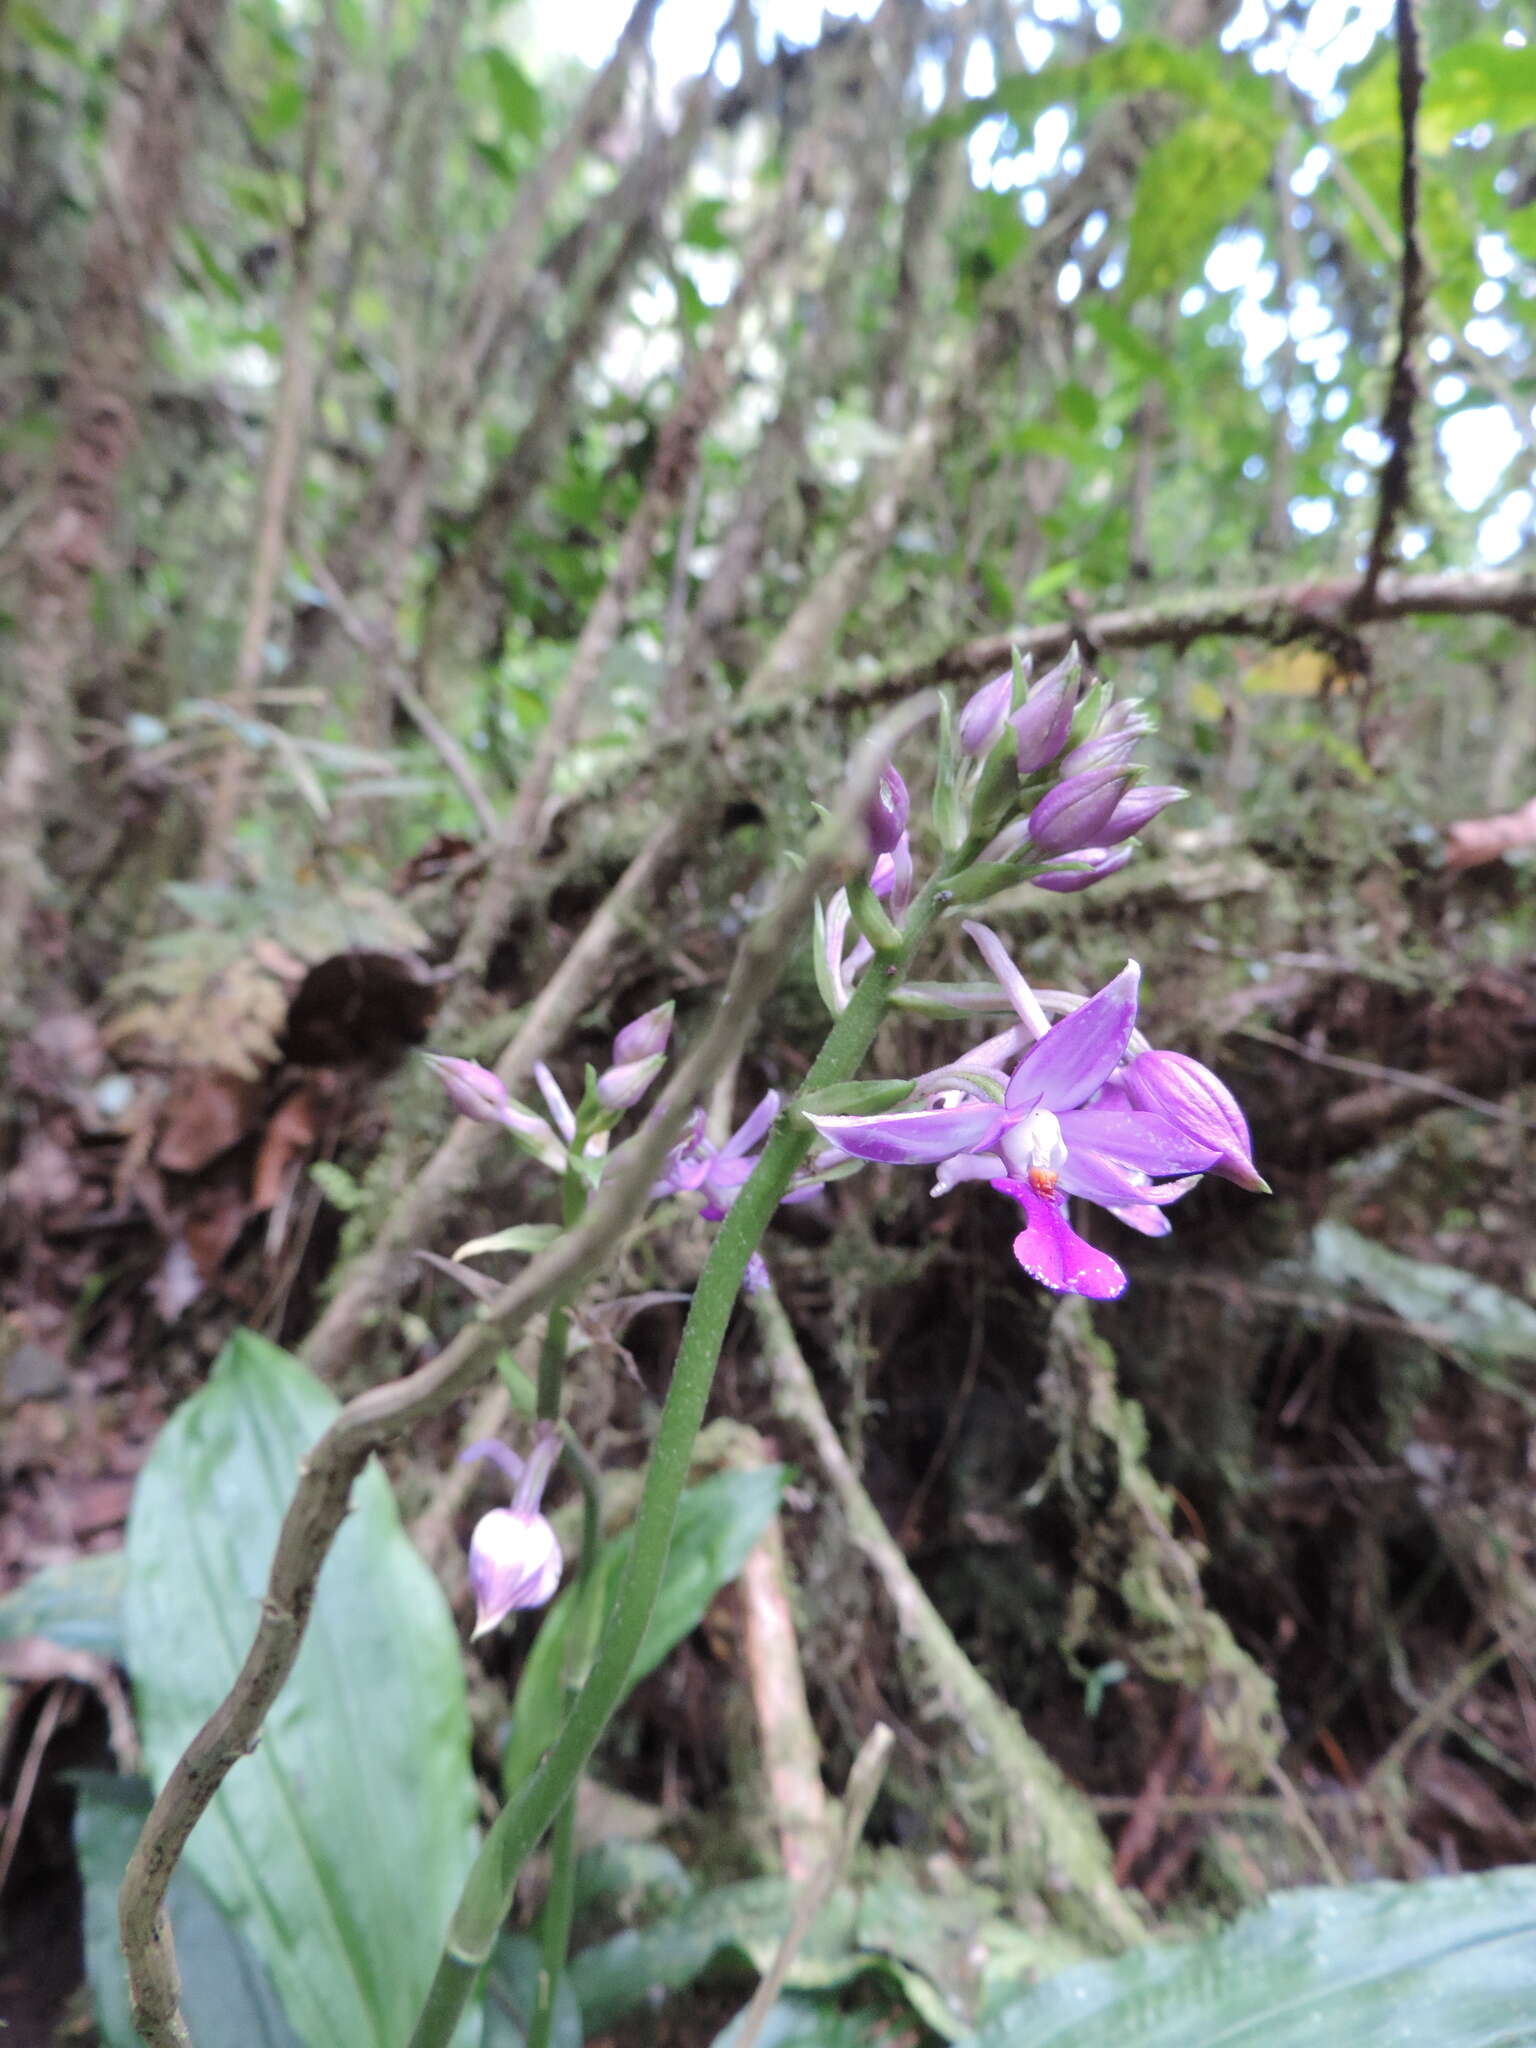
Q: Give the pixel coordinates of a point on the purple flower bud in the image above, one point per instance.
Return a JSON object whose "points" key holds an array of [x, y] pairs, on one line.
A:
{"points": [[1101, 861], [1075, 813], [756, 1280], [1126, 716], [984, 715], [473, 1090], [622, 1087], [1044, 720], [1136, 810], [644, 1037], [1104, 750], [514, 1555], [885, 817], [1191, 1098], [514, 1562]]}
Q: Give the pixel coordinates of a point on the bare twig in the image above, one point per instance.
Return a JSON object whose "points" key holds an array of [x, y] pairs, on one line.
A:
{"points": [[1397, 422], [375, 1418], [863, 1788], [1370, 1070], [1047, 1819], [776, 1679], [375, 1281], [380, 646], [677, 456]]}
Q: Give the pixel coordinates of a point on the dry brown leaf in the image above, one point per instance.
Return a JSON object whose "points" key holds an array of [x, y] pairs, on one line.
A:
{"points": [[1472, 842], [206, 1111], [287, 1137]]}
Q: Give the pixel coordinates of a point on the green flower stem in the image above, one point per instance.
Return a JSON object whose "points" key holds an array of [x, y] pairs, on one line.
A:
{"points": [[552, 1363], [523, 1821]]}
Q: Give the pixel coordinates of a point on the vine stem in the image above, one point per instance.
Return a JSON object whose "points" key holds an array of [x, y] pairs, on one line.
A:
{"points": [[487, 1895]]}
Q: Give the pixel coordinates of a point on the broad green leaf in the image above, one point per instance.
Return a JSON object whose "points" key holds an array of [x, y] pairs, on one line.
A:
{"points": [[948, 1957], [511, 1985], [77, 1604], [1449, 1963], [226, 1994], [1476, 82], [515, 94], [718, 1522], [1192, 184], [339, 1846]]}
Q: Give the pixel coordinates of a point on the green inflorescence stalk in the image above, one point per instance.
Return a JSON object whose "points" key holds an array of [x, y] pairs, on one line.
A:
{"points": [[538, 1802]]}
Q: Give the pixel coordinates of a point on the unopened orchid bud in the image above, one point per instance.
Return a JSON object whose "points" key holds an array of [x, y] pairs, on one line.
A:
{"points": [[983, 716], [622, 1087], [1126, 716], [644, 1037], [473, 1090], [1191, 1098], [514, 1562], [885, 816], [1043, 721], [514, 1554], [1095, 863], [1076, 812], [477, 1093], [1104, 750], [1136, 810]]}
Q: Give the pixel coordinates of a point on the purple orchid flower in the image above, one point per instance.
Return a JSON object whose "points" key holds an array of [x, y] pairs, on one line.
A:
{"points": [[1062, 1127], [514, 1554], [717, 1172]]}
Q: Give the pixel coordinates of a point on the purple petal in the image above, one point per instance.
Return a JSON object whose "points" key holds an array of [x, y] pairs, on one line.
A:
{"points": [[755, 1127], [1051, 1251], [885, 818], [984, 714], [1077, 811], [1078, 1054], [1144, 1217], [1098, 1178], [1191, 1097], [919, 1137], [560, 1112], [967, 1166], [1100, 861], [1135, 1137], [1136, 810]]}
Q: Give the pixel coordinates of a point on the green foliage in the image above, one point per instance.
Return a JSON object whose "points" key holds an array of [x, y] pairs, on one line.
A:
{"points": [[1451, 1961], [1192, 185], [338, 1848], [76, 1604], [226, 1994], [718, 1522]]}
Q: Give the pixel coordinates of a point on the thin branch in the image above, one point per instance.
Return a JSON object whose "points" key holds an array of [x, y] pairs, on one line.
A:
{"points": [[1421, 1084], [1397, 423], [377, 1417], [864, 1782], [380, 646]]}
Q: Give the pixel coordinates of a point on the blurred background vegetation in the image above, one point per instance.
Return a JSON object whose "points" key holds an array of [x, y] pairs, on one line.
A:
{"points": [[467, 468]]}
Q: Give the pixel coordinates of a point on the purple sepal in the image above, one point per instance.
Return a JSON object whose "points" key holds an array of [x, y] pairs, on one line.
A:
{"points": [[1104, 750], [1144, 1217], [1078, 1054], [1136, 810], [622, 1087], [920, 1137], [983, 715], [885, 816], [1043, 721], [1050, 1250], [645, 1036], [1077, 812], [1191, 1098], [1099, 862], [1141, 1138]]}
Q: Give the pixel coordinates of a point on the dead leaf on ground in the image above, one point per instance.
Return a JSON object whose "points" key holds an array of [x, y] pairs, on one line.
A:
{"points": [[206, 1112], [287, 1138], [1473, 842]]}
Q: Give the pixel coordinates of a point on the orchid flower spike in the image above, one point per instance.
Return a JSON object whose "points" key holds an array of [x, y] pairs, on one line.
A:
{"points": [[514, 1555]]}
